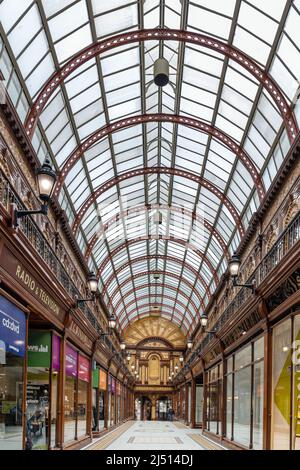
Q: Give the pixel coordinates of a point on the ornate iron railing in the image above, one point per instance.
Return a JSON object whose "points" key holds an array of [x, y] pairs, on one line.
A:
{"points": [[288, 238], [37, 240]]}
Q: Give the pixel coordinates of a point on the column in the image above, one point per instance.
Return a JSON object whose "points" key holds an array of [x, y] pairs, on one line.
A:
{"points": [[153, 409]]}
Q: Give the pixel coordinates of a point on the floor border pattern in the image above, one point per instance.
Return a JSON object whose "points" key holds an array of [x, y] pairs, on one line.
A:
{"points": [[109, 438]]}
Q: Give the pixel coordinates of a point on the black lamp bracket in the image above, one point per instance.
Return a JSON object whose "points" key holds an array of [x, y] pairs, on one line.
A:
{"points": [[248, 286], [16, 214]]}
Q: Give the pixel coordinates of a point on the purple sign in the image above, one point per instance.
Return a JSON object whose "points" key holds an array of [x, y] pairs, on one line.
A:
{"points": [[55, 353], [113, 385], [71, 362]]}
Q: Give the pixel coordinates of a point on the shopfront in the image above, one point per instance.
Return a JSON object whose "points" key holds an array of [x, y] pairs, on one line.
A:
{"points": [[43, 369], [285, 406], [99, 399], [214, 379], [199, 403], [12, 373], [76, 397], [245, 393]]}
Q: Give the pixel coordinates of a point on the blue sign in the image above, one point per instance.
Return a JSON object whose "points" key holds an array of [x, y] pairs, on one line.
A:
{"points": [[12, 328]]}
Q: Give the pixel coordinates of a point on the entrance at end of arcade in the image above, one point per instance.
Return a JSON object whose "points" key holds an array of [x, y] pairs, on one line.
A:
{"points": [[163, 408], [143, 409]]}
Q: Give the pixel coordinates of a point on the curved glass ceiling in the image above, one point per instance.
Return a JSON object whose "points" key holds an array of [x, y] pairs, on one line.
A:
{"points": [[119, 233]]}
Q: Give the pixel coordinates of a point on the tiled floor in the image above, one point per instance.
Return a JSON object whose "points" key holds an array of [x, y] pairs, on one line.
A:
{"points": [[156, 435]]}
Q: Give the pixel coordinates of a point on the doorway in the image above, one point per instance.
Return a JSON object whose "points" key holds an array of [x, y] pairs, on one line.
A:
{"points": [[163, 405]]}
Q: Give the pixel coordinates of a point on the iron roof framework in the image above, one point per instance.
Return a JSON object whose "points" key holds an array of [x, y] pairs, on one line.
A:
{"points": [[206, 179]]}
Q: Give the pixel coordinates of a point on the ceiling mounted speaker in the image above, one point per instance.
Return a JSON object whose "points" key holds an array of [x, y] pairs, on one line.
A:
{"points": [[161, 72]]}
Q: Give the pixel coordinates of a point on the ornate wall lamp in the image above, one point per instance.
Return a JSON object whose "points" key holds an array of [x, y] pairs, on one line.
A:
{"points": [[204, 321], [92, 285], [111, 325], [234, 267], [46, 179]]}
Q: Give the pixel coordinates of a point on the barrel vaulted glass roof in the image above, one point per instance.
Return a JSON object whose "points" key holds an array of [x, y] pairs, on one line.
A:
{"points": [[234, 139]]}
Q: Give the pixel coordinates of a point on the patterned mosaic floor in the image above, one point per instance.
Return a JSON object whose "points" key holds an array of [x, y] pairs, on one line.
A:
{"points": [[156, 435]]}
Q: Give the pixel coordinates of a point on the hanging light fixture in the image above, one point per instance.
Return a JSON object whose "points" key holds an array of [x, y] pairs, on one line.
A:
{"points": [[181, 359], [123, 345], [161, 72], [176, 368], [190, 343]]}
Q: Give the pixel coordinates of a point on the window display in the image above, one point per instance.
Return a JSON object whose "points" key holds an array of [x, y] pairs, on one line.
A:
{"points": [[12, 352], [213, 401], [199, 404], [82, 401], [244, 395], [285, 430], [38, 391], [70, 432]]}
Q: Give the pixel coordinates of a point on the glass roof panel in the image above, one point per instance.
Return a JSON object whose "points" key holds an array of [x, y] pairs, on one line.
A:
{"points": [[41, 35]]}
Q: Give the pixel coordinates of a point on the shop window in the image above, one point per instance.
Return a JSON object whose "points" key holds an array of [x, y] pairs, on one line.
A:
{"points": [[43, 367], [70, 407], [214, 393], [11, 395], [199, 403], [12, 352], [285, 432], [244, 395], [76, 395], [82, 399], [82, 408]]}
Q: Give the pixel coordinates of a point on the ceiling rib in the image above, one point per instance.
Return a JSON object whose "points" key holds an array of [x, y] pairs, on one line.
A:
{"points": [[167, 35]]}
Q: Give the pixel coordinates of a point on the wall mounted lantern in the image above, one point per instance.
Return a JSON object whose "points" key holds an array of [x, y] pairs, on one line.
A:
{"points": [[46, 179], [234, 268]]}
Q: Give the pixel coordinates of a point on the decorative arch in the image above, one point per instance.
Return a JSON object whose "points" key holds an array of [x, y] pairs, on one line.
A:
{"points": [[178, 241], [160, 34], [168, 286], [156, 257], [225, 139], [146, 273], [163, 306], [141, 343], [159, 170], [135, 210], [162, 296]]}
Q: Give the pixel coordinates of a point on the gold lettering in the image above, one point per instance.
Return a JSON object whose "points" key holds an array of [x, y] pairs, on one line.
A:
{"points": [[39, 292], [18, 271]]}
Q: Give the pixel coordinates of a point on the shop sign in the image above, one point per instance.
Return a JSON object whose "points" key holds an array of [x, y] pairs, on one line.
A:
{"points": [[96, 378], [55, 353], [32, 286], [83, 369], [12, 329], [71, 361], [39, 348], [80, 335], [102, 380]]}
